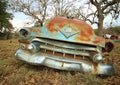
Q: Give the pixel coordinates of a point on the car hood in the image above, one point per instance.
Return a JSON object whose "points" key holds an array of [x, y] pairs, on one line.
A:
{"points": [[69, 30], [72, 30]]}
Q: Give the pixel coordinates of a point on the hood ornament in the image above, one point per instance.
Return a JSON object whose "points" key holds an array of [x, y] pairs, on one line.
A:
{"points": [[67, 31]]}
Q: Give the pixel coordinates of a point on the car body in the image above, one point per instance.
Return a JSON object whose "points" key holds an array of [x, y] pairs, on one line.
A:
{"points": [[63, 43]]}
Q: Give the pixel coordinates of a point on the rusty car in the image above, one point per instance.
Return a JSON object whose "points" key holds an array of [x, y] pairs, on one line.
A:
{"points": [[66, 44]]}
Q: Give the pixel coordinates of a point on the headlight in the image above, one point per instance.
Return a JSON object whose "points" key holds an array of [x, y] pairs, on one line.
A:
{"points": [[24, 33], [97, 57], [34, 47]]}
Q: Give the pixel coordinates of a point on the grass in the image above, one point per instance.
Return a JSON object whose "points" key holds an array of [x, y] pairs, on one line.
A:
{"points": [[13, 72]]}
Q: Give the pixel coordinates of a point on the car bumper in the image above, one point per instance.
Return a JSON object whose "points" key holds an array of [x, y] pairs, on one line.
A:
{"points": [[63, 64]]}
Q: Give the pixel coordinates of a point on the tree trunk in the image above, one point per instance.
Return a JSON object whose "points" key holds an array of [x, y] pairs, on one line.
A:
{"points": [[7, 35], [100, 27], [100, 21]]}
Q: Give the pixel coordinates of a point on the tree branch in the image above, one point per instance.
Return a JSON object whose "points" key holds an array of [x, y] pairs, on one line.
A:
{"points": [[110, 3]]}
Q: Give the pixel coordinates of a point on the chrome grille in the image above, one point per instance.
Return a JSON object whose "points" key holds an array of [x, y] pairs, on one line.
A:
{"points": [[64, 49]]}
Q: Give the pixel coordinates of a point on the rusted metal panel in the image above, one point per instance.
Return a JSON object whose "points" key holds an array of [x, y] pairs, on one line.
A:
{"points": [[72, 30]]}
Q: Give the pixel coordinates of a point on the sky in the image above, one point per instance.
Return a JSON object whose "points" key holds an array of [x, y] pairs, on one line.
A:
{"points": [[20, 20]]}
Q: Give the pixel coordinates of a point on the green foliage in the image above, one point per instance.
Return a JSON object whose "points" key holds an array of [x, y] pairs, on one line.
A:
{"points": [[37, 24], [96, 31], [5, 16], [8, 35], [2, 34], [115, 30], [112, 30]]}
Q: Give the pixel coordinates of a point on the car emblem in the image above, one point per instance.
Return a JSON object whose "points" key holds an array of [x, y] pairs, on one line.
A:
{"points": [[67, 31]]}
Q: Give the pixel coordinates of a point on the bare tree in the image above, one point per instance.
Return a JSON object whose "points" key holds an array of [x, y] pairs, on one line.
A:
{"points": [[97, 10], [63, 7], [41, 9], [37, 9]]}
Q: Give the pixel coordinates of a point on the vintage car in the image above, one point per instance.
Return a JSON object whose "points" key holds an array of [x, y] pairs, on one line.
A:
{"points": [[66, 44]]}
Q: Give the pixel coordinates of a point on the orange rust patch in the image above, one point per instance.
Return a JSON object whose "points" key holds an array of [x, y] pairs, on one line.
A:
{"points": [[86, 32], [60, 22], [98, 40], [95, 67], [23, 41], [62, 64], [38, 31], [50, 27], [30, 28]]}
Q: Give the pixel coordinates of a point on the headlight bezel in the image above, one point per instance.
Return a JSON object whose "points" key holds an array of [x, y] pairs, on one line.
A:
{"points": [[25, 33]]}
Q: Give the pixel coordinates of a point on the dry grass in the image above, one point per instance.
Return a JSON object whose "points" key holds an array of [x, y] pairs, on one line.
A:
{"points": [[13, 72]]}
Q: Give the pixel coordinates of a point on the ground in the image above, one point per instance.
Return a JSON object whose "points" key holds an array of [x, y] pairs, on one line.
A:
{"points": [[14, 72]]}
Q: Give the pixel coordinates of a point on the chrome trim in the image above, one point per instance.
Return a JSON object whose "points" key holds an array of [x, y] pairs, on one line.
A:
{"points": [[63, 64], [63, 50], [69, 48], [67, 44]]}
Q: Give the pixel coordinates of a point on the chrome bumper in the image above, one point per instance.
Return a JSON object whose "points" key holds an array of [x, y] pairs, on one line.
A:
{"points": [[64, 64]]}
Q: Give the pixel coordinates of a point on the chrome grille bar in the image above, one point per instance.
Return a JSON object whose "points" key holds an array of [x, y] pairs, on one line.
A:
{"points": [[64, 50], [67, 45]]}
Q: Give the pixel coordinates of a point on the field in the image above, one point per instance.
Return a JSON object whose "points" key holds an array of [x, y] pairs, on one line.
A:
{"points": [[13, 72]]}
